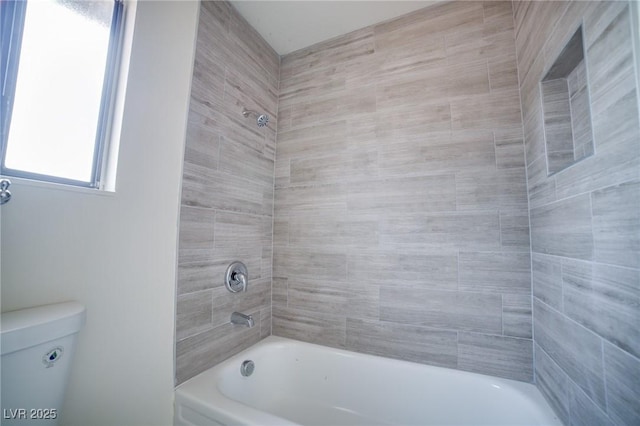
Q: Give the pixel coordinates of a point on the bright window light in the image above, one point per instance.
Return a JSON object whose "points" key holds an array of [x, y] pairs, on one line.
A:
{"points": [[60, 106]]}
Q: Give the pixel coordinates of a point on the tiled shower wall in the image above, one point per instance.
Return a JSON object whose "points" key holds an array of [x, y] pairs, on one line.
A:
{"points": [[227, 191], [585, 220], [401, 224]]}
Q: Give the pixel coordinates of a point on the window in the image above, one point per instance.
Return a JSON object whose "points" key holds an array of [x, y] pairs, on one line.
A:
{"points": [[59, 61]]}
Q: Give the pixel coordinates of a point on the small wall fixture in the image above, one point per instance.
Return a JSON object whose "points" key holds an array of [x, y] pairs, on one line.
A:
{"points": [[5, 194], [236, 279], [261, 119]]}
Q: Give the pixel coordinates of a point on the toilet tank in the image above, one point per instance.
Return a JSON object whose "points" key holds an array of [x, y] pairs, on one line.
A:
{"points": [[37, 353]]}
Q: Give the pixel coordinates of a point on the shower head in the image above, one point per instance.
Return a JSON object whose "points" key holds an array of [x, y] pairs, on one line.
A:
{"points": [[262, 119]]}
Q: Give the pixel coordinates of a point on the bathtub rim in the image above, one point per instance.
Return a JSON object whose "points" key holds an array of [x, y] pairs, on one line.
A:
{"points": [[191, 392]]}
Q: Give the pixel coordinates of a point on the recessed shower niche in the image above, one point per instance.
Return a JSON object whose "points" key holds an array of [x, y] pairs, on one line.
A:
{"points": [[566, 107]]}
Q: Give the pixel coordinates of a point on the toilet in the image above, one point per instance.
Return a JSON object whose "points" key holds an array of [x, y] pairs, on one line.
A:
{"points": [[37, 349]]}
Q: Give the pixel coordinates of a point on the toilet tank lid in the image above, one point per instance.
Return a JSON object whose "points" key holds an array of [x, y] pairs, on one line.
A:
{"points": [[28, 327]]}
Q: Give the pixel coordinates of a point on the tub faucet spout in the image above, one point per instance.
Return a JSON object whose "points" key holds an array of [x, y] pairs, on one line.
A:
{"points": [[242, 319]]}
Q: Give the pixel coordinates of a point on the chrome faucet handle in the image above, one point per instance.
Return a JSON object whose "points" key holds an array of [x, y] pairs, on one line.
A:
{"points": [[237, 277], [5, 194], [241, 278]]}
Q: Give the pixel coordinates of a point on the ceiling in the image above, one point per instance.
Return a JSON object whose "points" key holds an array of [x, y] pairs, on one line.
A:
{"points": [[295, 24]]}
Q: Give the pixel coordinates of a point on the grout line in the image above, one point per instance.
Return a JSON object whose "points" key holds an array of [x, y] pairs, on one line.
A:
{"points": [[604, 379], [526, 174]]}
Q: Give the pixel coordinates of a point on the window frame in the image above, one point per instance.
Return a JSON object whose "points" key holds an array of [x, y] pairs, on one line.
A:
{"points": [[13, 18]]}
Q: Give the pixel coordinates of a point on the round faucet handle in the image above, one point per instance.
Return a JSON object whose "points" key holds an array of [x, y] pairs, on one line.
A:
{"points": [[236, 277]]}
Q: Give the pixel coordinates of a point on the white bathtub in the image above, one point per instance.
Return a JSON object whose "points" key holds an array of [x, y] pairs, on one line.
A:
{"points": [[296, 383]]}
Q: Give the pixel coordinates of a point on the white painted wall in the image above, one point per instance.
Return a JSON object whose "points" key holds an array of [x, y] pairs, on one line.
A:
{"points": [[116, 253]]}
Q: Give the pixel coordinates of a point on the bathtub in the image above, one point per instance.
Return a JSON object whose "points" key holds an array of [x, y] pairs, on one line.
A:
{"points": [[296, 383]]}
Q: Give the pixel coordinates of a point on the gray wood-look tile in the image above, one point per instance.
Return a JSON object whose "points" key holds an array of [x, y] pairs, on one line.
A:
{"points": [[312, 83], [312, 141], [318, 296], [496, 355], [256, 48], [480, 42], [534, 142], [509, 145], [279, 291], [202, 351], [469, 230], [196, 276], [355, 46], [409, 153], [623, 386], [499, 189], [499, 273], [498, 14], [604, 299], [616, 221], [335, 298], [232, 193], [580, 112], [613, 164], [564, 34], [253, 94], [553, 383], [214, 17], [530, 95], [488, 111], [257, 297], [348, 166], [618, 122], [533, 26], [281, 231], [292, 262], [547, 280], [301, 199], [314, 327], [331, 108], [332, 229], [556, 107], [251, 257], [503, 73], [444, 18], [266, 261], [563, 228], [451, 310], [584, 411], [421, 89], [574, 348], [610, 59], [196, 234], [207, 87], [265, 322], [516, 316], [227, 190], [193, 313], [514, 230], [237, 159], [203, 141], [428, 115], [398, 58], [469, 78], [234, 230], [542, 190], [367, 189], [402, 341], [429, 193], [405, 269]]}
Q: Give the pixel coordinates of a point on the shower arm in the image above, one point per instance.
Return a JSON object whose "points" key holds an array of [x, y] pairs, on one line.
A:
{"points": [[246, 112]]}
